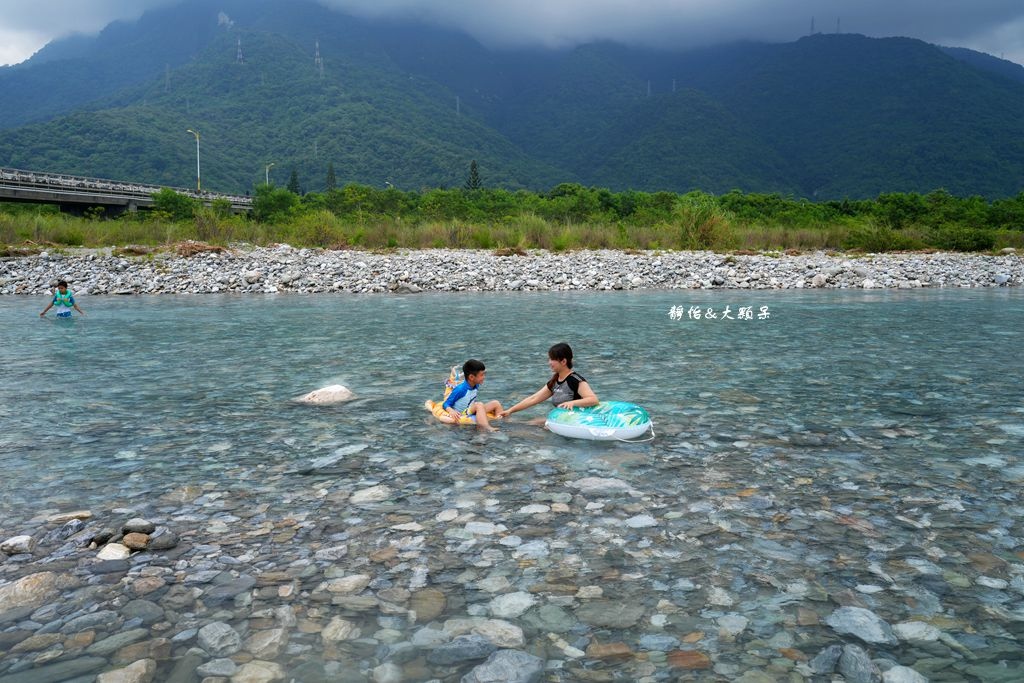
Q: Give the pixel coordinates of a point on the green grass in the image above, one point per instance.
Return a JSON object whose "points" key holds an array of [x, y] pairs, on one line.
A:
{"points": [[692, 225]]}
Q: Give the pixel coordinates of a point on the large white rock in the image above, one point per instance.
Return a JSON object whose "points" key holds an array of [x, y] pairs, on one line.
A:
{"points": [[29, 591], [512, 605], [114, 551], [267, 644], [374, 494], [347, 584], [510, 666], [499, 632], [902, 674], [732, 624], [17, 545], [219, 639], [335, 393], [600, 485], [258, 671], [916, 632], [862, 623], [340, 629], [141, 671]]}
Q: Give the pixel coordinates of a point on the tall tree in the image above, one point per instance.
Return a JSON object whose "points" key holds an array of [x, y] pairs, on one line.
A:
{"points": [[332, 181], [293, 183], [473, 181]]}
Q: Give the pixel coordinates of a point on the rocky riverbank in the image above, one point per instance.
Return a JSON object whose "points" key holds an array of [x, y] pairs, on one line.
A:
{"points": [[584, 579], [284, 269]]}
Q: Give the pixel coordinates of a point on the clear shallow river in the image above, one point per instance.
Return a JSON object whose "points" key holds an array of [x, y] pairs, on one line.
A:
{"points": [[854, 449]]}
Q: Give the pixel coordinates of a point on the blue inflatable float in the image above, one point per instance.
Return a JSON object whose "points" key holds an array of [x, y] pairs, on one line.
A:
{"points": [[607, 421]]}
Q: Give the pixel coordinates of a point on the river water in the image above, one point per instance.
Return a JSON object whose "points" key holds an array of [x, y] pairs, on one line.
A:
{"points": [[827, 450]]}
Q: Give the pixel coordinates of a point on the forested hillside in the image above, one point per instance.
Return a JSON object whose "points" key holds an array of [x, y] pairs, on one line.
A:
{"points": [[828, 116]]}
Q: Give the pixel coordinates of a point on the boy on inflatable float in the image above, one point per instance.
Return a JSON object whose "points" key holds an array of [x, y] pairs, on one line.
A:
{"points": [[462, 403]]}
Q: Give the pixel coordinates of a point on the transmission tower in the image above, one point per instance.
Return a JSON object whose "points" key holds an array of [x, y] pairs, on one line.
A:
{"points": [[318, 61], [238, 55]]}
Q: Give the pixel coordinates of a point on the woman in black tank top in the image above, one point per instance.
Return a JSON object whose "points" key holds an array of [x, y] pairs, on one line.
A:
{"points": [[566, 388]]}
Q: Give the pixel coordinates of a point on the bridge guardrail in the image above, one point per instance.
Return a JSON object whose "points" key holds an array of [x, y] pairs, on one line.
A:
{"points": [[51, 181]]}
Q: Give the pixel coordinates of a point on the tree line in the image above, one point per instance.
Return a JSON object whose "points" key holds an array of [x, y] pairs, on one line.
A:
{"points": [[567, 216]]}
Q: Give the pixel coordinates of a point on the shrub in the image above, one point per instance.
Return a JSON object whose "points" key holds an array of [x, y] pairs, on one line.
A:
{"points": [[68, 234], [961, 238], [564, 240], [273, 204], [208, 225], [481, 237], [879, 239], [178, 206], [318, 229]]}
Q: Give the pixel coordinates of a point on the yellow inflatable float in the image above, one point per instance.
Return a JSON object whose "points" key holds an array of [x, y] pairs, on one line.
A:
{"points": [[437, 407]]}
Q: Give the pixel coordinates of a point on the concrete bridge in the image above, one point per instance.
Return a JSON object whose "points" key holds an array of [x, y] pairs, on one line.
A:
{"points": [[74, 194]]}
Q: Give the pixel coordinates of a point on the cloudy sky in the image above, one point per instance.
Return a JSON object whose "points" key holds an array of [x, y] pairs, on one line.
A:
{"points": [[993, 26]]}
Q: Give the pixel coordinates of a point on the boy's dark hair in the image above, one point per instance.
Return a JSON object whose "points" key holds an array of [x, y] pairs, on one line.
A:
{"points": [[471, 367], [62, 283]]}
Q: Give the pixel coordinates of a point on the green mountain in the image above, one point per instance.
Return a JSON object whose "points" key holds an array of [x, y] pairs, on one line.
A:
{"points": [[827, 116]]}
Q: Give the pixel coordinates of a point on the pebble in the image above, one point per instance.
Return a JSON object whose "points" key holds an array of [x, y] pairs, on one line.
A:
{"points": [[990, 582], [388, 672], [114, 551], [507, 666], [512, 605], [641, 522], [609, 613], [347, 584], [17, 545], [374, 494], [461, 649], [28, 591], [137, 525], [141, 671], [862, 623], [902, 674], [340, 629], [500, 633], [218, 667], [219, 639], [63, 517], [732, 624], [856, 666], [258, 671], [916, 632]]}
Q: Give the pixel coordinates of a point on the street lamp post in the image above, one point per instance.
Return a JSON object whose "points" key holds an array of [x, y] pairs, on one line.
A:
{"points": [[267, 171], [199, 186]]}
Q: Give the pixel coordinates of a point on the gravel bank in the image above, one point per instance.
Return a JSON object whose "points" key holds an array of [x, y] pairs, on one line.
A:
{"points": [[285, 269]]}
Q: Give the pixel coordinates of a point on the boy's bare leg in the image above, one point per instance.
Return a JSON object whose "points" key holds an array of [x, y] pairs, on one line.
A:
{"points": [[481, 417]]}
